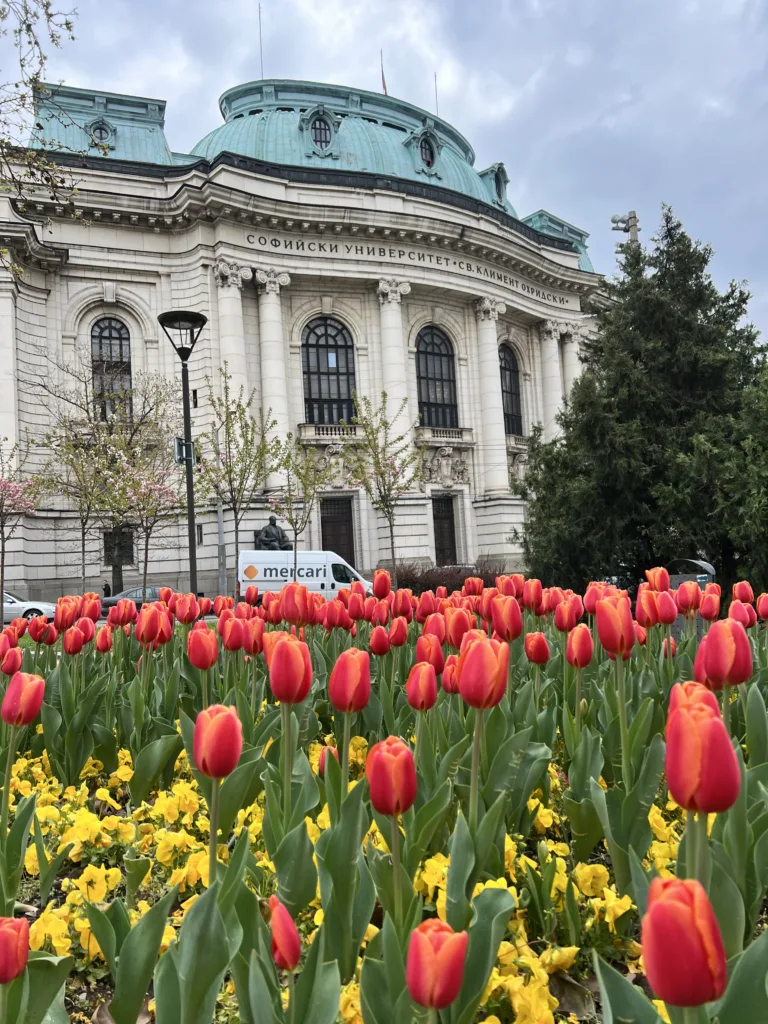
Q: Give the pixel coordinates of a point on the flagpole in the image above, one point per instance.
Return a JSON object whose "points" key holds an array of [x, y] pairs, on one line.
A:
{"points": [[261, 48], [383, 79], [437, 108]]}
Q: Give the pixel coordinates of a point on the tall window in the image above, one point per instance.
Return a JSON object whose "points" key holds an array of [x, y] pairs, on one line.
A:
{"points": [[510, 392], [328, 365], [427, 151], [436, 376], [321, 133], [111, 364]]}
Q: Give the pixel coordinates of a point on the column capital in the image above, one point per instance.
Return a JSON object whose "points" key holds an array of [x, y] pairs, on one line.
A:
{"points": [[228, 274], [565, 329], [272, 280], [392, 290], [487, 308]]}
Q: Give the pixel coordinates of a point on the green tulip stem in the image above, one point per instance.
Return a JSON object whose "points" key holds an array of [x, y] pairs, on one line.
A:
{"points": [[396, 884], [285, 718], [345, 754], [419, 730], [5, 991], [204, 677], [7, 787], [213, 814], [727, 709], [626, 763], [578, 705], [474, 784], [291, 999], [431, 1016], [697, 846]]}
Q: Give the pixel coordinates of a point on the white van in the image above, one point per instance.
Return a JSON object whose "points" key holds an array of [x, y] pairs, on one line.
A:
{"points": [[322, 571]]}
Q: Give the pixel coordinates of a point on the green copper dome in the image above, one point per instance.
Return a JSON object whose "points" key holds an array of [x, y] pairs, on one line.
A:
{"points": [[331, 127]]}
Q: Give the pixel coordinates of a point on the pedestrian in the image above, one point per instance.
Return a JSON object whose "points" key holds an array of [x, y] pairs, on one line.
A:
{"points": [[107, 589]]}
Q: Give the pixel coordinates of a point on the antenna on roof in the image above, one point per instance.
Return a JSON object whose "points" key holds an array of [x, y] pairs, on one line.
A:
{"points": [[261, 48], [437, 108]]}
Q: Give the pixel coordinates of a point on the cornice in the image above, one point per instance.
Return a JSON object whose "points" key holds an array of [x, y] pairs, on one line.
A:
{"points": [[21, 241]]}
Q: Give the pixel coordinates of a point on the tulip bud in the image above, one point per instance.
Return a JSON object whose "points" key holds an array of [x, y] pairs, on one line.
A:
{"points": [[506, 618], [641, 635], [739, 612], [14, 948], [37, 628], [286, 944], [580, 646], [104, 640], [421, 687], [349, 686], [565, 616], [449, 679], [379, 642], [252, 595], [356, 607], [658, 578], [669, 647], [435, 966], [727, 657], [482, 672], [205, 606], [701, 767], [290, 669], [683, 949], [222, 602], [324, 757], [536, 648], [666, 608], [592, 595], [761, 606], [253, 636], [646, 608], [73, 641], [12, 661], [709, 609], [23, 699], [87, 628], [50, 636], [231, 634], [457, 623], [218, 741], [615, 626], [688, 598], [742, 591], [425, 606], [391, 775], [337, 616], [435, 626], [583, 708], [91, 607], [429, 648], [202, 648], [402, 605], [382, 584], [398, 631]]}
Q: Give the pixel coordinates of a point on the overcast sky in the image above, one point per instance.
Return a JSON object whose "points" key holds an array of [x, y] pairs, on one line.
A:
{"points": [[595, 106]]}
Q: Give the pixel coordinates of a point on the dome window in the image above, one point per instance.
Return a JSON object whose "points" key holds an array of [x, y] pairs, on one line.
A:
{"points": [[321, 133], [427, 151], [499, 180], [101, 133]]}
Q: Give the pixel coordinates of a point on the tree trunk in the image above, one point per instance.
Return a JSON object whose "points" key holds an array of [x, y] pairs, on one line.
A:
{"points": [[391, 521], [117, 578], [146, 567], [83, 527], [237, 557], [295, 553]]}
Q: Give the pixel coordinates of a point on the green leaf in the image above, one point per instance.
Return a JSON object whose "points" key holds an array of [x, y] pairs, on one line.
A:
{"points": [[47, 976], [262, 1004], [136, 869], [462, 853], [425, 824], [622, 1003], [736, 832], [586, 830], [296, 871], [202, 958], [150, 762], [166, 986], [138, 958], [239, 789], [745, 998], [104, 934], [728, 905], [757, 727], [493, 908]]}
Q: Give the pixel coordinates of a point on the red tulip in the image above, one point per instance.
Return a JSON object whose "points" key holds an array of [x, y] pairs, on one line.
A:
{"points": [[349, 686], [641, 635], [429, 648], [580, 647], [50, 636], [536, 648], [218, 741], [435, 626], [615, 626], [286, 944], [324, 757], [253, 636], [205, 606], [87, 628], [762, 606], [202, 648], [382, 584], [421, 687], [473, 586], [658, 578], [666, 608], [123, 613], [104, 640], [244, 612], [67, 610], [425, 606], [402, 605], [379, 615], [646, 608], [669, 647], [23, 699], [232, 633], [252, 595], [356, 607], [682, 946], [506, 618], [398, 631], [727, 656], [457, 623], [290, 668], [482, 672], [435, 967], [337, 616], [391, 775], [37, 628], [73, 641], [709, 609], [449, 680], [566, 616], [593, 594], [532, 593], [12, 661], [14, 948], [91, 607], [379, 642], [742, 591], [147, 625], [688, 598]]}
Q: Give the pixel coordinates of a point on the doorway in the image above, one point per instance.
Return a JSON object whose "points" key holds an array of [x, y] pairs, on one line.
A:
{"points": [[445, 530], [337, 527]]}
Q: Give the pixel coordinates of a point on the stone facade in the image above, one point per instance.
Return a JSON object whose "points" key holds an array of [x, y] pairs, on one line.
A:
{"points": [[263, 255]]}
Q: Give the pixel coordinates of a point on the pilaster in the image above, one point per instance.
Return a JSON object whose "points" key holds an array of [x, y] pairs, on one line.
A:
{"points": [[487, 312], [274, 383], [230, 277]]}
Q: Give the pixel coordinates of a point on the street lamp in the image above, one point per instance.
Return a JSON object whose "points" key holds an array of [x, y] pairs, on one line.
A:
{"points": [[628, 223], [182, 328]]}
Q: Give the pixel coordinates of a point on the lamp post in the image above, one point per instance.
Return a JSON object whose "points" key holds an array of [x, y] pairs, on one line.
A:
{"points": [[628, 223], [182, 328]]}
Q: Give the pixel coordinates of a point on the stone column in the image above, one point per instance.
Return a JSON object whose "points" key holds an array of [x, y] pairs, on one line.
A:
{"points": [[571, 361], [230, 277], [551, 378], [274, 380], [8, 382], [491, 406], [393, 359]]}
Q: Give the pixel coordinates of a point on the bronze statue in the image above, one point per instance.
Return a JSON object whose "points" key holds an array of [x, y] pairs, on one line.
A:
{"points": [[273, 538]]}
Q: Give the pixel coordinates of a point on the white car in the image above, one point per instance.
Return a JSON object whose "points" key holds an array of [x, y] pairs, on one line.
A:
{"points": [[15, 608]]}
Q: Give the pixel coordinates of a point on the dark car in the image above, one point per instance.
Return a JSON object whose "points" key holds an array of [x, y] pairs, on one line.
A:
{"points": [[134, 594]]}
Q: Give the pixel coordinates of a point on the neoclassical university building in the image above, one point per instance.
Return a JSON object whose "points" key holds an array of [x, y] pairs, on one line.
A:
{"points": [[338, 241]]}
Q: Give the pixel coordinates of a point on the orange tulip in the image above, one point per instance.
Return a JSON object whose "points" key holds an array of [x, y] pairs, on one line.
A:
{"points": [[658, 578], [429, 648], [391, 775], [337, 616], [91, 607], [666, 608], [349, 686], [506, 618], [646, 608], [221, 602], [218, 741], [421, 687], [379, 642], [67, 611], [727, 656], [12, 661], [295, 604], [486, 599], [482, 672], [709, 609], [532, 593], [449, 681], [290, 668], [688, 598], [615, 626], [104, 640], [742, 591], [252, 595], [73, 641], [356, 607], [435, 966], [641, 635], [232, 634], [205, 606], [593, 594], [14, 948], [566, 615], [402, 604], [37, 628], [682, 946], [762, 606], [398, 631], [425, 606], [286, 944], [457, 623], [202, 648], [23, 699], [536, 648], [147, 625], [435, 626], [701, 767], [580, 646], [473, 586]]}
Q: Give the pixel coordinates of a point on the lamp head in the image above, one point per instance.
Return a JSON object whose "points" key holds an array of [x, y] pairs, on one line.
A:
{"points": [[182, 328]]}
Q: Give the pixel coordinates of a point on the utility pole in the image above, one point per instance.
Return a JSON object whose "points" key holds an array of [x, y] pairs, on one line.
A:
{"points": [[628, 223], [220, 522]]}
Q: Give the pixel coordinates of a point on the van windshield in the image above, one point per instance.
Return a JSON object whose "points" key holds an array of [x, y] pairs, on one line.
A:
{"points": [[342, 574]]}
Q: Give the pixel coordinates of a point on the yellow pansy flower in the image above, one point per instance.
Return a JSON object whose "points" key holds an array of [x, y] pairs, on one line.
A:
{"points": [[591, 878], [558, 958]]}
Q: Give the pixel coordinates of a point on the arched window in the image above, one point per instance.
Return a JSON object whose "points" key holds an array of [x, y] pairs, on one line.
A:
{"points": [[427, 151], [436, 376], [110, 364], [321, 133], [510, 392], [328, 364]]}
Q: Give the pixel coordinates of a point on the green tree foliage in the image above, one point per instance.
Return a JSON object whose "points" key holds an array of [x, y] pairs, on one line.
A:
{"points": [[659, 429]]}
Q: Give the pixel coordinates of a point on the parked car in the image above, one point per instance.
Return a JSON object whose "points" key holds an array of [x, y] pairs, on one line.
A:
{"points": [[15, 608], [134, 594]]}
